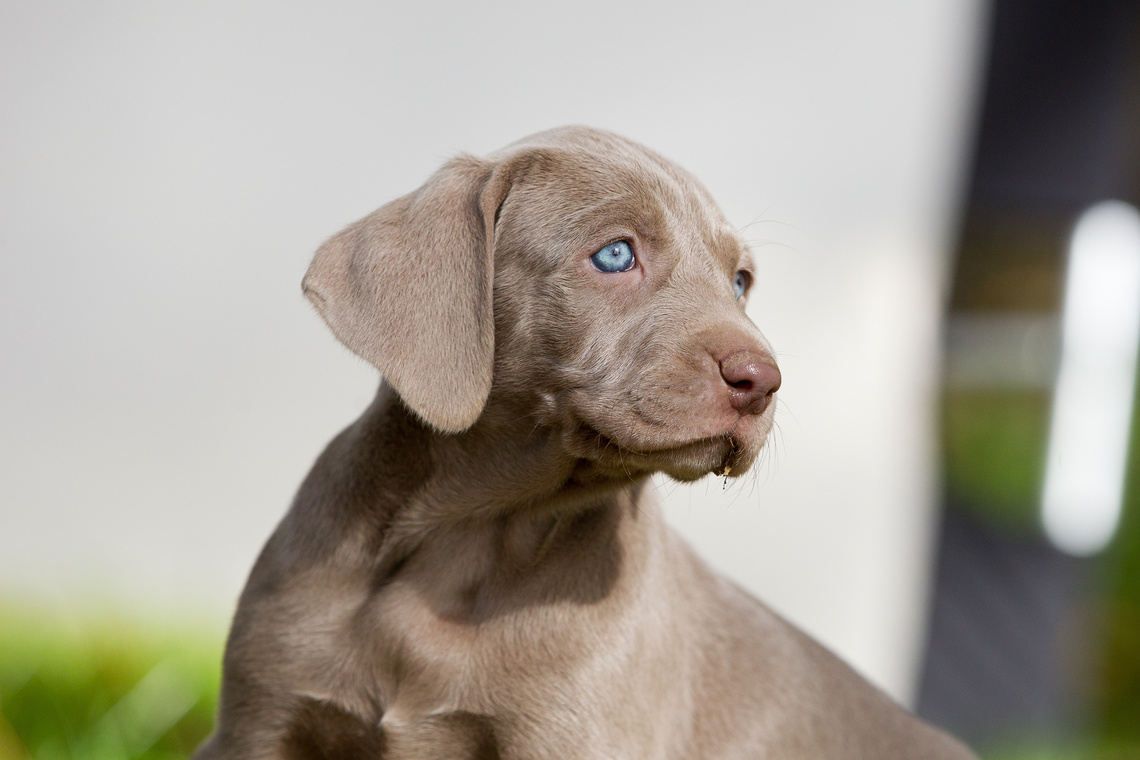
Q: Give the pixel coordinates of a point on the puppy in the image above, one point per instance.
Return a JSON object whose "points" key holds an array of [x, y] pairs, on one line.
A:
{"points": [[475, 568]]}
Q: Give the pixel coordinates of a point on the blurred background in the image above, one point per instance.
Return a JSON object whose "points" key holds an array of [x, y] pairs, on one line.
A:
{"points": [[941, 197]]}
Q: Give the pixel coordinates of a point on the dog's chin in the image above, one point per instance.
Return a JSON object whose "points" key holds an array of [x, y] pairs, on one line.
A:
{"points": [[695, 460], [730, 454]]}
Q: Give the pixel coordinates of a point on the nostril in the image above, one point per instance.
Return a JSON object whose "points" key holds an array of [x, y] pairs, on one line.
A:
{"points": [[752, 377]]}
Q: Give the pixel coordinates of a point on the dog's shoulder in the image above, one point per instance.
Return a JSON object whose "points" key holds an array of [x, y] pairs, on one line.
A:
{"points": [[854, 718], [809, 701]]}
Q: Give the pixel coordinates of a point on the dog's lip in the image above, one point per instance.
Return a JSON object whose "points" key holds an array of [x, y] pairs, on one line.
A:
{"points": [[606, 441], [677, 447], [689, 460], [729, 451], [728, 431]]}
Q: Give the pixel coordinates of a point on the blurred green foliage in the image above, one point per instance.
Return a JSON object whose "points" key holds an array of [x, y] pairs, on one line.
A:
{"points": [[1090, 751], [101, 688], [994, 448], [1117, 696], [993, 443]]}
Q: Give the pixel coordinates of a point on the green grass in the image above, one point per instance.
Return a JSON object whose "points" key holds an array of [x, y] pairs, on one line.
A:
{"points": [[103, 688]]}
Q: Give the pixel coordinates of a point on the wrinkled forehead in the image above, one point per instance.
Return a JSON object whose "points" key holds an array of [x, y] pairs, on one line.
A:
{"points": [[583, 196]]}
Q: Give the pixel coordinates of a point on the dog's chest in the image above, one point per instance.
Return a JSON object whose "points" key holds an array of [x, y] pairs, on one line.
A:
{"points": [[474, 641], [519, 684], [455, 643]]}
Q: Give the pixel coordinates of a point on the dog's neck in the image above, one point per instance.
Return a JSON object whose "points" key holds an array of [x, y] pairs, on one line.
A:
{"points": [[412, 482]]}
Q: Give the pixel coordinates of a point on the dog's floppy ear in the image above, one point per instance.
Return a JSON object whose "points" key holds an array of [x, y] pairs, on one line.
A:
{"points": [[409, 289]]}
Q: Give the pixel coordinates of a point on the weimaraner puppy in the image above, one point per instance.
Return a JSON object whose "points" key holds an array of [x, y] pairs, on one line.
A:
{"points": [[476, 568]]}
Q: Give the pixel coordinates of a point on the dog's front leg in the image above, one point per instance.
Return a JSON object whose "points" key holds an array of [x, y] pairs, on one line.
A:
{"points": [[454, 736]]}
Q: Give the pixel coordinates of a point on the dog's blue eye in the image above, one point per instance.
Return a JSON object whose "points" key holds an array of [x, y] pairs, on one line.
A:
{"points": [[740, 283], [615, 257]]}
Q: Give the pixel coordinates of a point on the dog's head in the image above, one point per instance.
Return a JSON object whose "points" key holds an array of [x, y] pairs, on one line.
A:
{"points": [[575, 279]]}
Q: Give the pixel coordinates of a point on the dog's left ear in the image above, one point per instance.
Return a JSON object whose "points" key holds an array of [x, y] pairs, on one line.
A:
{"points": [[409, 289]]}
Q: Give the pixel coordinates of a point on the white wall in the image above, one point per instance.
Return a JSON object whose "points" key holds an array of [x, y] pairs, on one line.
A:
{"points": [[166, 173]]}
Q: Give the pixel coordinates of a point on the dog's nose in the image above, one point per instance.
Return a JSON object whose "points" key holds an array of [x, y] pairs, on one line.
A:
{"points": [[752, 378]]}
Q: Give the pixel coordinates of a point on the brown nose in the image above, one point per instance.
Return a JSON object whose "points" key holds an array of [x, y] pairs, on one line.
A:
{"points": [[753, 379]]}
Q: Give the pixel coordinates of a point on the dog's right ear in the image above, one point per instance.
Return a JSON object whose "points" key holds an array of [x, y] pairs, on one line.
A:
{"points": [[409, 289]]}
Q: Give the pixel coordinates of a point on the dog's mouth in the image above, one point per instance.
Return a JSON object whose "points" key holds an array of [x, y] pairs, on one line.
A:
{"points": [[727, 454], [733, 457]]}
